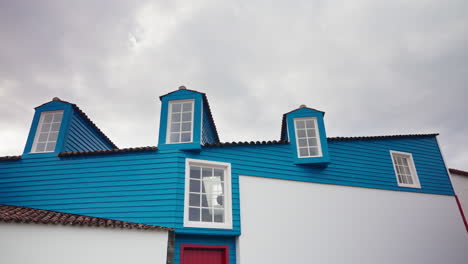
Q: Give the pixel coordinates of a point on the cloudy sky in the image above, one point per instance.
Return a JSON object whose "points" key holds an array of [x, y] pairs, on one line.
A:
{"points": [[375, 67]]}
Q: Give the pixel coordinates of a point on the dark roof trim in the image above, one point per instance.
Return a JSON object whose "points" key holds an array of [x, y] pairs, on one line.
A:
{"points": [[206, 105], [381, 137], [17, 214], [10, 158], [245, 143], [87, 119], [109, 151], [458, 172]]}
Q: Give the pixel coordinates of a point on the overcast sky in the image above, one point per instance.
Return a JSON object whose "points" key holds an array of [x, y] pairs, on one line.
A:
{"points": [[375, 67]]}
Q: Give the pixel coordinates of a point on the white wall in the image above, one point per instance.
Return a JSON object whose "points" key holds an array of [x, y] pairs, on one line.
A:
{"points": [[460, 184], [56, 244], [297, 222]]}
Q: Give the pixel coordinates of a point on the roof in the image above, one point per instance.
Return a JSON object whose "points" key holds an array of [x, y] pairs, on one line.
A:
{"points": [[17, 214], [110, 151], [7, 158], [458, 172], [87, 120], [381, 137], [283, 121], [206, 106]]}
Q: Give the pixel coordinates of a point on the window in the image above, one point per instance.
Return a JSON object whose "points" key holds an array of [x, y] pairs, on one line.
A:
{"points": [[405, 170], [47, 132], [207, 194], [180, 122], [307, 137]]}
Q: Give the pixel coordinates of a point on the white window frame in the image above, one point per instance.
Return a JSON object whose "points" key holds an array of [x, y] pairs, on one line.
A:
{"points": [[227, 194], [319, 144], [169, 121], [412, 168], [38, 132]]}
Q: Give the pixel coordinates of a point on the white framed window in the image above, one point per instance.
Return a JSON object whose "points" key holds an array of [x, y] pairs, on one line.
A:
{"points": [[307, 137], [47, 132], [180, 122], [405, 171], [207, 202]]}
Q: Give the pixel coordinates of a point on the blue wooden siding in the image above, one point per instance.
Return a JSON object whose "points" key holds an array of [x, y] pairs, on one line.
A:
{"points": [[205, 240], [149, 187], [208, 131], [81, 137]]}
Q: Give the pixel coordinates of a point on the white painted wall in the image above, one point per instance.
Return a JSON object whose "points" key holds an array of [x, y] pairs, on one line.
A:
{"points": [[460, 185], [297, 222], [56, 244]]}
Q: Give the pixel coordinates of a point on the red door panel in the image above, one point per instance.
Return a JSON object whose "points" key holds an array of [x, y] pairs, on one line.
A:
{"points": [[202, 254]]}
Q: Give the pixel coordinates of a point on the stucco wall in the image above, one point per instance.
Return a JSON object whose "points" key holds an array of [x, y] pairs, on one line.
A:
{"points": [[460, 184], [297, 222], [54, 244]]}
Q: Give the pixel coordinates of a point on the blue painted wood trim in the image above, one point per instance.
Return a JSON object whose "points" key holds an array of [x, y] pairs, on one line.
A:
{"points": [[52, 106], [197, 118], [307, 112]]}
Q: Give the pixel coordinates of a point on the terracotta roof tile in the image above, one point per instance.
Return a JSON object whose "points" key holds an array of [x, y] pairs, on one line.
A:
{"points": [[17, 214]]}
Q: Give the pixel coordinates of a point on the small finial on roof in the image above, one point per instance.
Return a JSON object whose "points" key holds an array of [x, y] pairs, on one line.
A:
{"points": [[56, 99], [182, 87], [302, 106]]}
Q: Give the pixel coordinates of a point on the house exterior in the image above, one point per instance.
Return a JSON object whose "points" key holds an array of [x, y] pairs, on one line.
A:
{"points": [[305, 198]]}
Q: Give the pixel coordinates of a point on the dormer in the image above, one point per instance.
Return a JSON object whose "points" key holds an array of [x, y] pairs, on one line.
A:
{"points": [[60, 126], [305, 129], [186, 122]]}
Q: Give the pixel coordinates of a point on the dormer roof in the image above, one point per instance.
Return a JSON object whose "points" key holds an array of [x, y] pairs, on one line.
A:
{"points": [[284, 131], [85, 118]]}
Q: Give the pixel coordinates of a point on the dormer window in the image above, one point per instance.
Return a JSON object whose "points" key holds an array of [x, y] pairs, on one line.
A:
{"points": [[47, 132], [308, 139], [180, 122]]}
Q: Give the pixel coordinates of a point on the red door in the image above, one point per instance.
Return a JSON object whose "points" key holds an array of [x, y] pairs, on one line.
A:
{"points": [[204, 254]]}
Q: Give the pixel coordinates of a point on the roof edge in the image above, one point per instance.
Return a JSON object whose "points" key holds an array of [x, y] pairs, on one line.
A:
{"points": [[380, 137], [109, 151], [458, 172], [10, 158]]}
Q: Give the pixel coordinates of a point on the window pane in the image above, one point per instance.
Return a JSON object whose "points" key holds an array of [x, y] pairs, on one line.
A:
{"points": [[204, 200], [303, 152], [220, 200], [311, 132], [302, 142], [219, 173], [40, 147], [50, 146], [48, 118], [187, 107], [175, 117], [53, 136], [195, 172], [309, 123], [174, 137], [187, 126], [55, 127], [312, 142], [57, 117], [410, 180], [207, 172], [313, 151], [175, 127], [45, 128], [194, 214], [206, 215], [194, 199], [176, 107], [187, 116], [194, 186], [43, 137], [301, 133], [218, 215], [300, 124], [185, 137]]}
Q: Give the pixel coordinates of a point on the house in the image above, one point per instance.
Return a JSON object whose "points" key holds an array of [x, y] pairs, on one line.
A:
{"points": [[305, 198], [460, 185]]}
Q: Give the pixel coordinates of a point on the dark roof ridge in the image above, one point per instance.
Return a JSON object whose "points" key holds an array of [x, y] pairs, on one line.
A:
{"points": [[86, 118], [19, 214], [459, 172], [108, 151], [244, 143], [160, 97], [8, 158], [381, 137]]}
